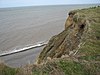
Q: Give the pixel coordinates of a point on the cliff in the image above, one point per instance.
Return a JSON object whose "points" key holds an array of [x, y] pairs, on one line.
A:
{"points": [[69, 40], [74, 51]]}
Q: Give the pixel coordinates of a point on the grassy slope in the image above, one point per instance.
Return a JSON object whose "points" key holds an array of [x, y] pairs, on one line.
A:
{"points": [[87, 61], [91, 49], [5, 70]]}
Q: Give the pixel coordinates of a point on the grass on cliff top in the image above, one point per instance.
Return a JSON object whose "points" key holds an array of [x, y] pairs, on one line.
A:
{"points": [[91, 48], [79, 68], [72, 68], [68, 67]]}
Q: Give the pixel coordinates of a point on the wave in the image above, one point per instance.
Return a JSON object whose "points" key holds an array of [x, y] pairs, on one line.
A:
{"points": [[39, 44]]}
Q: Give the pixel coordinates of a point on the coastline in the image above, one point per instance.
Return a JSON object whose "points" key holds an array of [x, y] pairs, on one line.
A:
{"points": [[33, 35], [23, 49]]}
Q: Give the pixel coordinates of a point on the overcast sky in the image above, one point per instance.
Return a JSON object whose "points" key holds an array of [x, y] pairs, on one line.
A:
{"points": [[17, 3]]}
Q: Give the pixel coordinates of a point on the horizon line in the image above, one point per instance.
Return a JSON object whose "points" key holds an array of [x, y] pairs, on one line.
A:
{"points": [[47, 5]]}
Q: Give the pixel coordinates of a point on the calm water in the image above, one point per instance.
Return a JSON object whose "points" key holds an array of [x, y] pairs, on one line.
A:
{"points": [[24, 26]]}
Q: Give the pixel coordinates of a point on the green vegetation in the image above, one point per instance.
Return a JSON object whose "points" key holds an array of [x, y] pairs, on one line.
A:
{"points": [[5, 70], [72, 68], [68, 66], [91, 48], [79, 68]]}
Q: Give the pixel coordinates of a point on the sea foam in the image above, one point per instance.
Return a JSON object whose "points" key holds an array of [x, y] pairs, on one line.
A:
{"points": [[28, 47]]}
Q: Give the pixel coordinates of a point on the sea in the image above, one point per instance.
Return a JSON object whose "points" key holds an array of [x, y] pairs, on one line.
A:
{"points": [[25, 27]]}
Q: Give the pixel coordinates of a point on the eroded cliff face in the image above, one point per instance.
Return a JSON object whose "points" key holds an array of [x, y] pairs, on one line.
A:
{"points": [[67, 42]]}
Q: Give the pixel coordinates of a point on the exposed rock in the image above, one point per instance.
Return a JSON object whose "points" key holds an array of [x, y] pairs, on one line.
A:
{"points": [[68, 40], [69, 22]]}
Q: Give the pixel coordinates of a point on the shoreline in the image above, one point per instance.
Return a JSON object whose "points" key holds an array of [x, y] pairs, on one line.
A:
{"points": [[23, 49]]}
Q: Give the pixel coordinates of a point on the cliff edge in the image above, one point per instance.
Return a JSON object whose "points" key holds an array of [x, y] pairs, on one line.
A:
{"points": [[69, 40]]}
